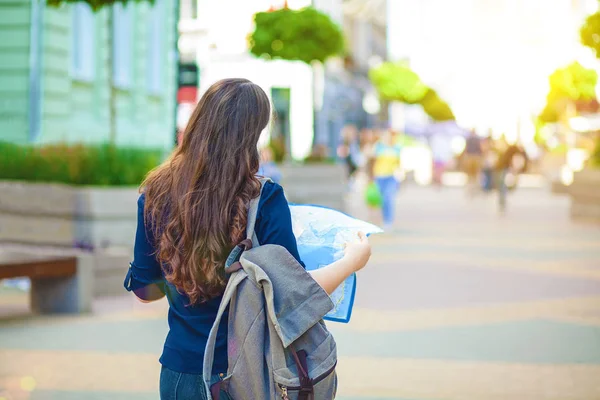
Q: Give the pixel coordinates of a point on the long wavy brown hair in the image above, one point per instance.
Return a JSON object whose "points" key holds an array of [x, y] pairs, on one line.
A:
{"points": [[196, 201]]}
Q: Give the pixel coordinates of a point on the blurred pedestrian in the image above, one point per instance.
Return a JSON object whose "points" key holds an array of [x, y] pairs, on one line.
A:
{"points": [[368, 141], [387, 163], [441, 155], [489, 157], [349, 151], [268, 168], [472, 159], [511, 162], [367, 148]]}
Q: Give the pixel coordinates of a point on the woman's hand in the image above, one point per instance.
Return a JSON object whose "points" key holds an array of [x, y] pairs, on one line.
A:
{"points": [[359, 252], [356, 255]]}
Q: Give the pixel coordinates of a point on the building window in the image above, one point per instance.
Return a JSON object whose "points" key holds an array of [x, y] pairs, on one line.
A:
{"points": [[156, 56], [122, 45], [82, 42]]}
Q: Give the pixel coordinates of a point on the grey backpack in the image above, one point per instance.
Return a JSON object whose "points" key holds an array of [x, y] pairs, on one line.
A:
{"points": [[278, 345]]}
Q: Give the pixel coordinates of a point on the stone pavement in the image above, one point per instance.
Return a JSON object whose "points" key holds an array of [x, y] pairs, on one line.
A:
{"points": [[458, 304]]}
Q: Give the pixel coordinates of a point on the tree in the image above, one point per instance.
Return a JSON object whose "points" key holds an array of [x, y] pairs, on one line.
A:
{"points": [[567, 86], [397, 82], [436, 108], [590, 37], [305, 35], [590, 33]]}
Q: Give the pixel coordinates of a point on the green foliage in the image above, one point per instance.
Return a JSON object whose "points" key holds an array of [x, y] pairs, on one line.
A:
{"points": [[306, 35], [95, 5], [568, 85], [541, 134], [103, 165], [549, 114], [397, 82], [436, 108], [590, 37], [574, 82], [590, 33]]}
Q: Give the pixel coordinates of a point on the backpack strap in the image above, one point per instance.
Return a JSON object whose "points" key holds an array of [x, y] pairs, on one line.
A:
{"points": [[253, 213], [251, 240], [232, 265], [209, 351]]}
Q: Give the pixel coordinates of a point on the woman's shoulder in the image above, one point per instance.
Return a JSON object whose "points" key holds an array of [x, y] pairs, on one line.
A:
{"points": [[271, 191], [141, 199]]}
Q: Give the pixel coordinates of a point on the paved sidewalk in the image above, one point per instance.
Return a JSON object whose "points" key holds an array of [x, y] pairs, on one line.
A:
{"points": [[458, 303]]}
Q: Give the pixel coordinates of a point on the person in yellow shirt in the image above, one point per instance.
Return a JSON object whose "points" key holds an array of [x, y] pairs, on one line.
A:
{"points": [[387, 162]]}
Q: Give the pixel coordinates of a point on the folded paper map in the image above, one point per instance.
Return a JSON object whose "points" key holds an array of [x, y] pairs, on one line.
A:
{"points": [[321, 234]]}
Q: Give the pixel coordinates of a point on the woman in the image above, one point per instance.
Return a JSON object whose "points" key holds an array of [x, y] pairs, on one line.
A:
{"points": [[490, 157], [472, 158], [387, 163], [191, 213]]}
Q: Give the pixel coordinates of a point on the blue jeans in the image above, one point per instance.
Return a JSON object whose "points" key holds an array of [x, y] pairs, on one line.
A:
{"points": [[180, 386], [388, 186], [488, 179]]}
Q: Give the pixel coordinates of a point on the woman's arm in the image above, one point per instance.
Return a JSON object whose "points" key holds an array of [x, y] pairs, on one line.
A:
{"points": [[356, 256], [144, 278], [150, 293]]}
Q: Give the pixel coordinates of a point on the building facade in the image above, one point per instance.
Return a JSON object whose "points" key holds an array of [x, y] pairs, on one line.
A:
{"points": [[311, 103], [55, 65], [345, 83]]}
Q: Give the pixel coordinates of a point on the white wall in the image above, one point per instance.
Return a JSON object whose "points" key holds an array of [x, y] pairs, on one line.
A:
{"points": [[333, 8], [296, 76], [224, 54]]}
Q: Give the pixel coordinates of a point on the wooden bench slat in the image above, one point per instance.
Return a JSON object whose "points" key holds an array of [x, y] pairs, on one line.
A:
{"points": [[15, 265]]}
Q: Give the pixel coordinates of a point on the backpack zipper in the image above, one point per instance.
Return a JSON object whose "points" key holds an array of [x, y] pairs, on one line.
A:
{"points": [[284, 392]]}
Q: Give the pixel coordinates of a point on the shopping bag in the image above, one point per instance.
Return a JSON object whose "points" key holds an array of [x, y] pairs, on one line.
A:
{"points": [[373, 196]]}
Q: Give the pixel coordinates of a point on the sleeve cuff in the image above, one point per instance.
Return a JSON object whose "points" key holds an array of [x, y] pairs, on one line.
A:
{"points": [[133, 282]]}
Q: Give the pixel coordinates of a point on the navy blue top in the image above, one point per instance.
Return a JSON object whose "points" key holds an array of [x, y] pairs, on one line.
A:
{"points": [[189, 326]]}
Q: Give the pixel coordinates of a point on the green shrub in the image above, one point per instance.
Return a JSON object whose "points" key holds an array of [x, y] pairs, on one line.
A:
{"points": [[95, 5], [102, 165]]}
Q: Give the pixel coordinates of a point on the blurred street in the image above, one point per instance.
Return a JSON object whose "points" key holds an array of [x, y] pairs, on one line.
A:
{"points": [[458, 303]]}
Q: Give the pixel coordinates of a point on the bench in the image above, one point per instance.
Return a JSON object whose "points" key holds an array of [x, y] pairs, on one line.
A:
{"points": [[59, 284]]}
